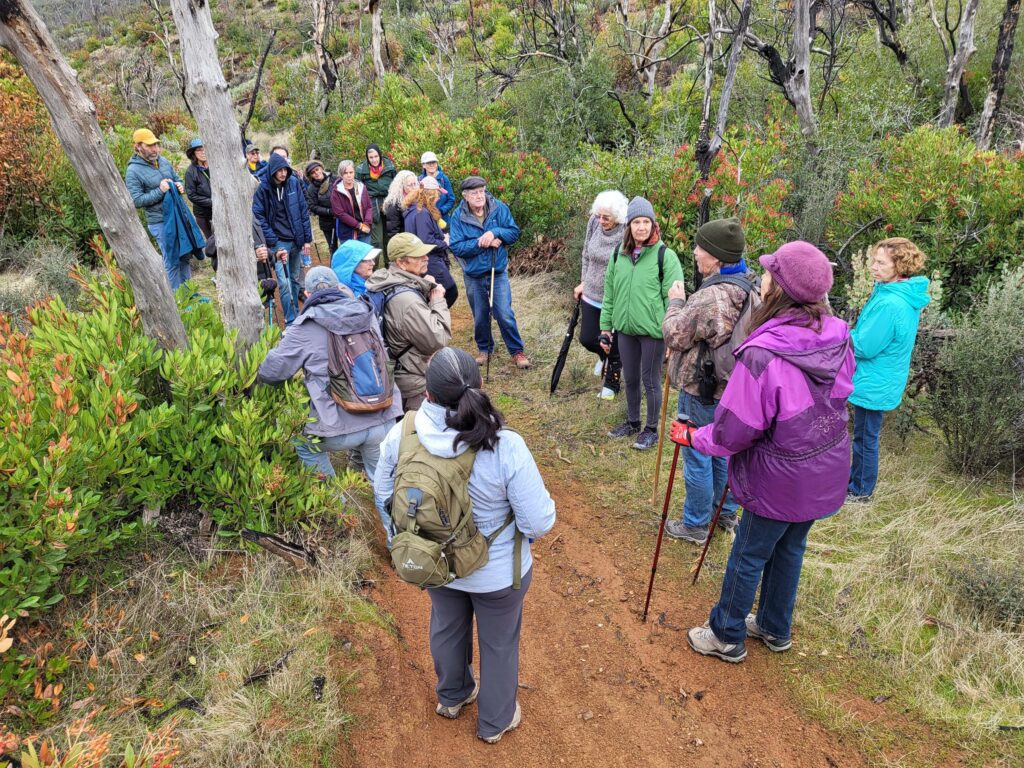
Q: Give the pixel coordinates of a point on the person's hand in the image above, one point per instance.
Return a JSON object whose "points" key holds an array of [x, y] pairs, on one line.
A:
{"points": [[305, 249], [486, 239], [437, 292], [577, 292], [364, 227], [282, 254], [681, 433], [180, 186], [677, 291], [605, 340], [261, 253], [430, 279], [496, 242], [164, 185]]}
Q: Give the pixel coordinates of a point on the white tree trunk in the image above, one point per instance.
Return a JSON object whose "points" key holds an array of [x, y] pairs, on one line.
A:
{"points": [[957, 64], [232, 184], [377, 38], [799, 83], [73, 117]]}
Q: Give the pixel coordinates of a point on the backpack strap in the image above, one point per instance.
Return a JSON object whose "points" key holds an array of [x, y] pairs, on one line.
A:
{"points": [[738, 280], [517, 549]]}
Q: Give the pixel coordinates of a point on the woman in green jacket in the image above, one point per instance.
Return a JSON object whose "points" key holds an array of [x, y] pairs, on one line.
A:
{"points": [[636, 287], [883, 343], [376, 172]]}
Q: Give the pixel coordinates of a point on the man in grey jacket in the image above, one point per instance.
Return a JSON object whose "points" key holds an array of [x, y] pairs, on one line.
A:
{"points": [[304, 347], [148, 178]]}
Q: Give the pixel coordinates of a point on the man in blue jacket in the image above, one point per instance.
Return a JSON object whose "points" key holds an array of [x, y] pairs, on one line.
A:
{"points": [[481, 227], [279, 206], [148, 178], [446, 202]]}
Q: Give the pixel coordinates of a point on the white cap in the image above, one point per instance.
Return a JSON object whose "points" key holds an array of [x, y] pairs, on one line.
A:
{"points": [[428, 157], [371, 255]]}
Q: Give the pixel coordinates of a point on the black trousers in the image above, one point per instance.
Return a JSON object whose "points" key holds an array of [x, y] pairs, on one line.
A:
{"points": [[590, 329]]}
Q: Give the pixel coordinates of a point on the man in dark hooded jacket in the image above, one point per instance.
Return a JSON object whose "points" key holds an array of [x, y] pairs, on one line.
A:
{"points": [[280, 208]]}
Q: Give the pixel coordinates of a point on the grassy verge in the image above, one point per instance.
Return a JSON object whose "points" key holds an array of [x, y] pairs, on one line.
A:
{"points": [[903, 640]]}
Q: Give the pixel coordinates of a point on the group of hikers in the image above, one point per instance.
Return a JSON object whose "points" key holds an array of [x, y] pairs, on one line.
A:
{"points": [[765, 374]]}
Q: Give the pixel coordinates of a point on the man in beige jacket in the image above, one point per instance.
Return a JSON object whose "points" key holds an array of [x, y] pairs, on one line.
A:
{"points": [[417, 322]]}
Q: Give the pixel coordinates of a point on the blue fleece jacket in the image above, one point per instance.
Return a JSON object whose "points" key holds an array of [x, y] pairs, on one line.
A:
{"points": [[883, 342], [182, 236], [274, 202], [446, 202], [143, 182], [464, 230]]}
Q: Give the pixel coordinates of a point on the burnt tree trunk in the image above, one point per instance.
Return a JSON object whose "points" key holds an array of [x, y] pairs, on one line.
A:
{"points": [[73, 117], [1000, 66], [232, 184]]}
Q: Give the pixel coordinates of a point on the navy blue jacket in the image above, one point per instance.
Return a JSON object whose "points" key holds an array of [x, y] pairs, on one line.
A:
{"points": [[445, 202], [273, 199], [422, 224], [464, 230]]}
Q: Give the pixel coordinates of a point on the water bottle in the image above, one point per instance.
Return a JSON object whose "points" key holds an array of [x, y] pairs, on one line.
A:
{"points": [[306, 261]]}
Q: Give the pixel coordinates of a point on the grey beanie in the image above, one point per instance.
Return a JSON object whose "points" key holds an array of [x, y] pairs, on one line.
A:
{"points": [[320, 277], [640, 207]]}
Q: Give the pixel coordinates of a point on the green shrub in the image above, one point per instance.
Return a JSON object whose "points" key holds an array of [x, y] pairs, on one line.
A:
{"points": [[992, 591], [978, 396], [964, 208]]}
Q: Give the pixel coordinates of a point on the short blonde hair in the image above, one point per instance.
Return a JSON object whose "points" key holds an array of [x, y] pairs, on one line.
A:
{"points": [[906, 257]]}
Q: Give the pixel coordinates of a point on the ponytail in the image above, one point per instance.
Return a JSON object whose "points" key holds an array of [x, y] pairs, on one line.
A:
{"points": [[453, 381]]}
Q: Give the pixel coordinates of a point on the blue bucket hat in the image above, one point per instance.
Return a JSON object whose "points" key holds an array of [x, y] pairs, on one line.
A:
{"points": [[193, 145]]}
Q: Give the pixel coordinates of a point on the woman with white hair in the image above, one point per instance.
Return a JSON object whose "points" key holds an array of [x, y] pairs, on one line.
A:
{"points": [[604, 234], [393, 208]]}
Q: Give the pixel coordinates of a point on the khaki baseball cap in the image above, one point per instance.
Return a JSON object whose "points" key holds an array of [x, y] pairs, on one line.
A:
{"points": [[144, 136], [407, 246]]}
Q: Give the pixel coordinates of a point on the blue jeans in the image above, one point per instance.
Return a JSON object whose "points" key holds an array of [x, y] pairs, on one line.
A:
{"points": [[705, 476], [316, 455], [769, 552], [289, 283], [867, 430], [178, 270], [477, 293]]}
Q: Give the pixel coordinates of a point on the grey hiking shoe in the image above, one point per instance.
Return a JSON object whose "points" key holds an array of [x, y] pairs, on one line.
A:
{"points": [[453, 711], [729, 523], [625, 429], [704, 642], [774, 643], [646, 440], [677, 529], [516, 719]]}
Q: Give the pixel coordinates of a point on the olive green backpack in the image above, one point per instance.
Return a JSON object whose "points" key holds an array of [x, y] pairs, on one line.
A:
{"points": [[436, 539]]}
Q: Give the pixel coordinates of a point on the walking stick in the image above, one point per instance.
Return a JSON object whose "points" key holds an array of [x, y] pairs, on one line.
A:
{"points": [[661, 435], [661, 531], [490, 316], [711, 532], [319, 258]]}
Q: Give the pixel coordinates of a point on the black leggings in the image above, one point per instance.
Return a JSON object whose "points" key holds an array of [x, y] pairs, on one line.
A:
{"points": [[642, 358], [590, 329]]}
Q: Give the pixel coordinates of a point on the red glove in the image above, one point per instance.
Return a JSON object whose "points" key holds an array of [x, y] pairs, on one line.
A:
{"points": [[681, 432]]}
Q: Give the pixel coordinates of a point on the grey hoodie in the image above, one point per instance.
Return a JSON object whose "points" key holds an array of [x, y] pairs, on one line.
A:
{"points": [[504, 479], [304, 346]]}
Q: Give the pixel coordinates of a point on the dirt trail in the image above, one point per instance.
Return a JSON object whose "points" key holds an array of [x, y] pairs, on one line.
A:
{"points": [[597, 687]]}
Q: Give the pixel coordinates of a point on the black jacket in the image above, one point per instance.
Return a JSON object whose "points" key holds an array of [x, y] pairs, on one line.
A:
{"points": [[394, 221], [320, 204], [197, 188]]}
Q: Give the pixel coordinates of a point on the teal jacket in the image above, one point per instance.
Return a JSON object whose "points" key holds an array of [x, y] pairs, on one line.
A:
{"points": [[883, 341], [143, 182], [633, 301]]}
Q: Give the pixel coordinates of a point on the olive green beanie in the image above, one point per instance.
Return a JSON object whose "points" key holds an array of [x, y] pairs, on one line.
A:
{"points": [[723, 239]]}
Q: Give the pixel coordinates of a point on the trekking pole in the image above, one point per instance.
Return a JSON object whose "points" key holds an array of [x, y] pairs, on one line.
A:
{"points": [[319, 258], [661, 531], [490, 317], [711, 531], [661, 435]]}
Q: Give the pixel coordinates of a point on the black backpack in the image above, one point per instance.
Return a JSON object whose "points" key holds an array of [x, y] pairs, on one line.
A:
{"points": [[715, 364]]}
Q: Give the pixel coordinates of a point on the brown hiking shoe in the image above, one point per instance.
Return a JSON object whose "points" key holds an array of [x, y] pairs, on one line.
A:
{"points": [[481, 358], [521, 360]]}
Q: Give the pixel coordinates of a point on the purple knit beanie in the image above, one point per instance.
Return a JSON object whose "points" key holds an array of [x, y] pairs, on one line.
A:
{"points": [[801, 270]]}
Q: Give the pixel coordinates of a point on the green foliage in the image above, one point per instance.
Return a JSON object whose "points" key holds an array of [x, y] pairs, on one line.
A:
{"points": [[992, 591], [978, 396], [964, 208]]}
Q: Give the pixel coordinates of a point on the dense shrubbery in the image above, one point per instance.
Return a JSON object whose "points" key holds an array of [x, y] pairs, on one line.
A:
{"points": [[964, 208]]}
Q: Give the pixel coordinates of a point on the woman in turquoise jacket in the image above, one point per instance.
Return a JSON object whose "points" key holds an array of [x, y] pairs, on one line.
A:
{"points": [[883, 342]]}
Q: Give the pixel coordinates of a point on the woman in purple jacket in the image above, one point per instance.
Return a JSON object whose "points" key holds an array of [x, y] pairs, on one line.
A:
{"points": [[782, 420]]}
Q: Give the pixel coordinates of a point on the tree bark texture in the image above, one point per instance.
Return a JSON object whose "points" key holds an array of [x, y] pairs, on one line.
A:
{"points": [[73, 117], [957, 64], [231, 183], [1000, 67], [377, 39], [799, 82], [326, 70]]}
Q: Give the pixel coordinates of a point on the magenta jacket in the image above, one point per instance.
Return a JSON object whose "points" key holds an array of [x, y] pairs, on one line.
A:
{"points": [[783, 420], [341, 205]]}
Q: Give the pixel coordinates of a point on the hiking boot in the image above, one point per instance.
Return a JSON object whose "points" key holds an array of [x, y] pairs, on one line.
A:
{"points": [[677, 529], [606, 394], [516, 719], [646, 439], [852, 498], [521, 360], [729, 523], [704, 642], [599, 367], [453, 711], [625, 429], [481, 358], [775, 644]]}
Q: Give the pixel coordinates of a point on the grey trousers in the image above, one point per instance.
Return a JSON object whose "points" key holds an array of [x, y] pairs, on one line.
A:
{"points": [[499, 619], [642, 357]]}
